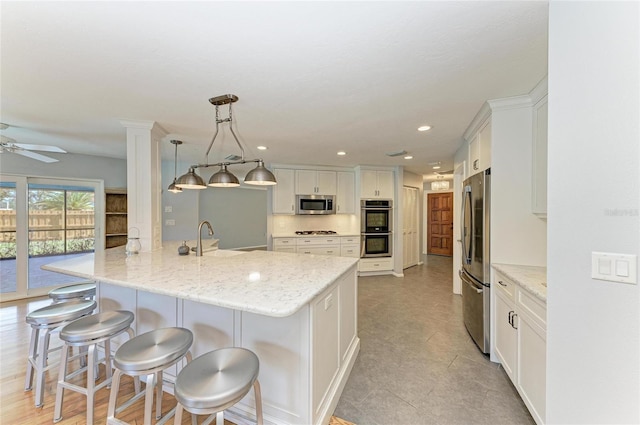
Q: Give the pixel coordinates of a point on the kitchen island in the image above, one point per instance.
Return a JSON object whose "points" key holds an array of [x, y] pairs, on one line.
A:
{"points": [[297, 312]]}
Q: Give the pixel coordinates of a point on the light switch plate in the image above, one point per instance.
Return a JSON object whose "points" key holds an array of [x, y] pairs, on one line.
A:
{"points": [[612, 267], [170, 222], [168, 208]]}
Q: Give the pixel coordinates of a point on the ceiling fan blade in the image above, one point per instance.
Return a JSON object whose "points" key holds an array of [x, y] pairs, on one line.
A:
{"points": [[37, 156], [43, 148]]}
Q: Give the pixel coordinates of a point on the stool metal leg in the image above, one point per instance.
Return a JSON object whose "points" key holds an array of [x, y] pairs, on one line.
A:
{"points": [[113, 396], [91, 382], [41, 362], [148, 399], [158, 394], [57, 413], [33, 352], [258, 397]]}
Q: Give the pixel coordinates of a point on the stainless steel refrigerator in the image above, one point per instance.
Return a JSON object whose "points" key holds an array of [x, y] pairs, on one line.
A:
{"points": [[475, 270]]}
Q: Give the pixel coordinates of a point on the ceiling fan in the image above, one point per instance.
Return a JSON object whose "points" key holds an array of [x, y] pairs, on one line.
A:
{"points": [[7, 144]]}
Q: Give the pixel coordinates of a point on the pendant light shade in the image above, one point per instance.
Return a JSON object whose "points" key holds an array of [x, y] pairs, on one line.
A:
{"points": [[191, 180], [173, 188], [260, 176], [223, 178]]}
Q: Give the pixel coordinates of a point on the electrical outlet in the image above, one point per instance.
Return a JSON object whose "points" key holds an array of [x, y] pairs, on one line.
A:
{"points": [[170, 222], [168, 208]]}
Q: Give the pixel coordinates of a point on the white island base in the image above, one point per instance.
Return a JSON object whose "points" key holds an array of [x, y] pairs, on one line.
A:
{"points": [[305, 358]]}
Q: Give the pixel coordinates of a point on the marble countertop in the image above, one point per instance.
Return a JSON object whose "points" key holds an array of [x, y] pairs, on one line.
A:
{"points": [[533, 279], [271, 283], [293, 235]]}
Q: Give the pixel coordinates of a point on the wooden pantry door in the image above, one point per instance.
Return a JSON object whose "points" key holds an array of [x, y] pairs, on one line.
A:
{"points": [[440, 223]]}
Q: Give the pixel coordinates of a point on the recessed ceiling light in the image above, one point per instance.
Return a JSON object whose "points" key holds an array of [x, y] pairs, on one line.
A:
{"points": [[262, 148], [408, 157], [342, 153], [424, 128]]}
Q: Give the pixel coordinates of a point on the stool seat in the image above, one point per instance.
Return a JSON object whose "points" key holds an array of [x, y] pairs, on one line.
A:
{"points": [[69, 292], [153, 349], [57, 313], [97, 326], [217, 379]]}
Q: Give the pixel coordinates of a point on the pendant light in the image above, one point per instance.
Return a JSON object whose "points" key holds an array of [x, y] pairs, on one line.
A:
{"points": [[259, 176], [172, 187]]}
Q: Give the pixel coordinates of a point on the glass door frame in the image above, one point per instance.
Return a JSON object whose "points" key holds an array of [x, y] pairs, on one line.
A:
{"points": [[22, 226]]}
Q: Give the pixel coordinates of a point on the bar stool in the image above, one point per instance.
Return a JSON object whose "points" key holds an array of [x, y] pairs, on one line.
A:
{"points": [[216, 381], [77, 291], [148, 354], [45, 321], [89, 332]]}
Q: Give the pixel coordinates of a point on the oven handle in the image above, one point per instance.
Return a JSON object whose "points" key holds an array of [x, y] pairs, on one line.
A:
{"points": [[376, 234]]}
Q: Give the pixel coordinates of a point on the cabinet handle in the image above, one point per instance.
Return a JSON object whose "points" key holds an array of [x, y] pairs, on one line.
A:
{"points": [[502, 284], [513, 320], [509, 318], [475, 164]]}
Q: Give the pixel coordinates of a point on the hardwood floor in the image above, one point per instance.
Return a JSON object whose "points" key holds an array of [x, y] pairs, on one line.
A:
{"points": [[17, 405]]}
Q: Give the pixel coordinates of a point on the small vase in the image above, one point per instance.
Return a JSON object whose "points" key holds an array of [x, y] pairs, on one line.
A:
{"points": [[183, 249]]}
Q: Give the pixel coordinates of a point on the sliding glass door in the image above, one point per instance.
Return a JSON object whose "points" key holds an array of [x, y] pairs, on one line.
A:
{"points": [[44, 221]]}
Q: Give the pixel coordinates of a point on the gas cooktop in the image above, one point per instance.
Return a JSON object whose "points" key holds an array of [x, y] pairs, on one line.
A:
{"points": [[315, 232]]}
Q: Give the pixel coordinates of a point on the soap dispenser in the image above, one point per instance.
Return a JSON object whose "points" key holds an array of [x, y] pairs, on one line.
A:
{"points": [[183, 249]]}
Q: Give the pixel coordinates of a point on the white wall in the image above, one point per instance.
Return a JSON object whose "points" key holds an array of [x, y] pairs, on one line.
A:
{"points": [[113, 171], [517, 236], [593, 335]]}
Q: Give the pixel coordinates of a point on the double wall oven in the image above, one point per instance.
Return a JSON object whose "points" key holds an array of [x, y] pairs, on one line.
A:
{"points": [[376, 228]]}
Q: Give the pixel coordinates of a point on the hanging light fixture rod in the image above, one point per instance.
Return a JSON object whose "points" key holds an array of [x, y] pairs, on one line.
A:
{"points": [[223, 178]]}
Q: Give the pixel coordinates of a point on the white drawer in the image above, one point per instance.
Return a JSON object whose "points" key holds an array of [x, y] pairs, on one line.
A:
{"points": [[533, 307], [375, 264], [318, 241], [350, 240], [282, 242], [319, 250], [350, 251], [505, 285], [291, 249]]}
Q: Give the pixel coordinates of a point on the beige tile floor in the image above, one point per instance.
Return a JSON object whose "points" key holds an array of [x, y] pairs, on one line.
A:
{"points": [[417, 363]]}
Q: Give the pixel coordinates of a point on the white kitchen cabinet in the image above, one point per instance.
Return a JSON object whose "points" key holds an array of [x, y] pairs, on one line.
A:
{"points": [[320, 246], [284, 244], [376, 184], [345, 193], [480, 149], [539, 155], [283, 195], [506, 334], [520, 342], [380, 264], [312, 182], [350, 246]]}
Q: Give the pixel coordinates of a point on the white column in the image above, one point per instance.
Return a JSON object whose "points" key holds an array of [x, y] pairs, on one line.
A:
{"points": [[144, 182]]}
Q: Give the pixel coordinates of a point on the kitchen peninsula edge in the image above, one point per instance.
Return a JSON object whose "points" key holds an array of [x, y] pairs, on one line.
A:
{"points": [[297, 312]]}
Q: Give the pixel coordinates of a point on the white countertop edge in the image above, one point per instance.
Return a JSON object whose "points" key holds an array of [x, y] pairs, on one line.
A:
{"points": [[83, 267], [530, 278]]}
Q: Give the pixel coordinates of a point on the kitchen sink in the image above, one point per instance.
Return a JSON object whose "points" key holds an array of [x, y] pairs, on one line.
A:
{"points": [[222, 253]]}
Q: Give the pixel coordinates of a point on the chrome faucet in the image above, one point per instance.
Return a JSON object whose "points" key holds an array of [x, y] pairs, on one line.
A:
{"points": [[199, 243]]}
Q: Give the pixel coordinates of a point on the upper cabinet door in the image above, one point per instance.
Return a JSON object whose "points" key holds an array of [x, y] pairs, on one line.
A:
{"points": [[306, 182], [283, 193], [376, 184], [480, 149], [345, 193], [311, 182]]}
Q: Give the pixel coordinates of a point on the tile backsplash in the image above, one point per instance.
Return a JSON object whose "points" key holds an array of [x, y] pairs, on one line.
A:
{"points": [[341, 223]]}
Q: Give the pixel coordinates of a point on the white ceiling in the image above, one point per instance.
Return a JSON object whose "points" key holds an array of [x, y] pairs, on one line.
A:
{"points": [[313, 78]]}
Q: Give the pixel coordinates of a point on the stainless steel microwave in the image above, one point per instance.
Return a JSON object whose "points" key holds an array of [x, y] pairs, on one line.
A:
{"points": [[315, 204]]}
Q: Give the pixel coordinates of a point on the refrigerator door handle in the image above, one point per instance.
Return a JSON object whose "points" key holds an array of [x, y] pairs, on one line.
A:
{"points": [[471, 284], [466, 250]]}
